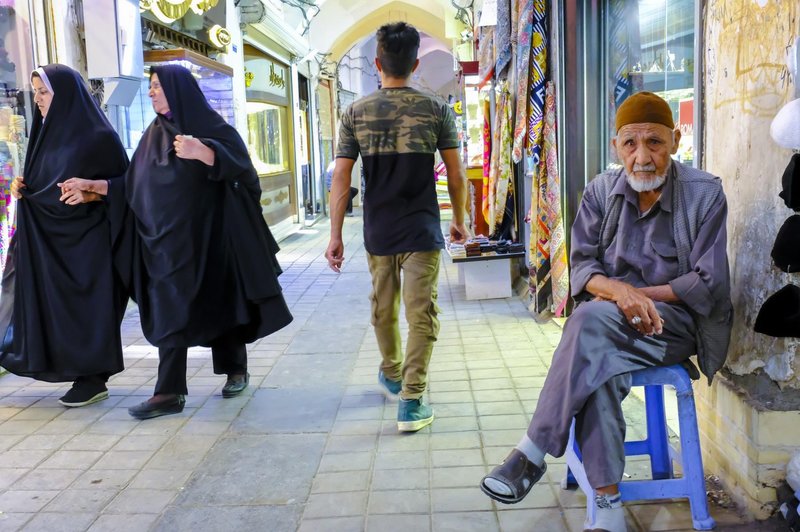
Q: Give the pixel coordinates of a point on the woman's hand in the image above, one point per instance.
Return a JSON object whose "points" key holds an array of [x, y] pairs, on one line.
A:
{"points": [[97, 186], [188, 147], [16, 185], [76, 197]]}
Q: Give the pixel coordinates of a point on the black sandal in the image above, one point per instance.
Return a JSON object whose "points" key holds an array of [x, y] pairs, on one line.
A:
{"points": [[518, 473]]}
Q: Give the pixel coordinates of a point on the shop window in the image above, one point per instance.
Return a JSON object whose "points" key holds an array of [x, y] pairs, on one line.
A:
{"points": [[267, 137], [16, 106], [651, 47]]}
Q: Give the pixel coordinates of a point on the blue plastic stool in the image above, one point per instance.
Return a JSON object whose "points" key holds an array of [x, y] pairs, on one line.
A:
{"points": [[664, 485]]}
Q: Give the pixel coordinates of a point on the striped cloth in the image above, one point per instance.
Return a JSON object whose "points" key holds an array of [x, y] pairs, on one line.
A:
{"points": [[531, 59]]}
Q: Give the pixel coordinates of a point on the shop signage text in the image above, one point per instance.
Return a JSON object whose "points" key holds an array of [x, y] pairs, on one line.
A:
{"points": [[276, 79]]}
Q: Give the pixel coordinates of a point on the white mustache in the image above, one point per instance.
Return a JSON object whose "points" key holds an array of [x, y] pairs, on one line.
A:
{"points": [[644, 167]]}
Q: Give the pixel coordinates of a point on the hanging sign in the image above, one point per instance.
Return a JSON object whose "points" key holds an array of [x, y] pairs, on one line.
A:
{"points": [[264, 75]]}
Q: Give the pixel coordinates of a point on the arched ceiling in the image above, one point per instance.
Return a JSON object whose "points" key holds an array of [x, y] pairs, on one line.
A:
{"points": [[341, 24]]}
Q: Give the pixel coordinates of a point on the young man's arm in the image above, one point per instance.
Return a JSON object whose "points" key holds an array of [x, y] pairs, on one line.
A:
{"points": [[340, 194], [457, 188]]}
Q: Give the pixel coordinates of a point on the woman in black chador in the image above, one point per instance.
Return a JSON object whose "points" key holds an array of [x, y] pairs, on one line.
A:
{"points": [[68, 305], [201, 258]]}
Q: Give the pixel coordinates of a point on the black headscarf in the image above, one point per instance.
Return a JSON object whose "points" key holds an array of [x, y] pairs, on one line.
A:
{"points": [[75, 140]]}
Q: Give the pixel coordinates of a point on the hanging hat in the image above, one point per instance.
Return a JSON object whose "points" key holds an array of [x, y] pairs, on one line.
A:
{"points": [[786, 251], [780, 314], [785, 128], [791, 183]]}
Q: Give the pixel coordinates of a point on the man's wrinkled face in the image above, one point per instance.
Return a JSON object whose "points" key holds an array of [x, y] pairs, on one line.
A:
{"points": [[645, 150]]}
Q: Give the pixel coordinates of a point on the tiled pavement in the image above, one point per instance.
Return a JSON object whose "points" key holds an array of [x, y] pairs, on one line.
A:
{"points": [[312, 445]]}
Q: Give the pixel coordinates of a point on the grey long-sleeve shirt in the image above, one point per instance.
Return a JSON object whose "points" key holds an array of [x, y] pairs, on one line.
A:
{"points": [[643, 252]]}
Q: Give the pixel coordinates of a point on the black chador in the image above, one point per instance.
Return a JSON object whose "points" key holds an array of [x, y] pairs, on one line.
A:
{"points": [[200, 257], [67, 305]]}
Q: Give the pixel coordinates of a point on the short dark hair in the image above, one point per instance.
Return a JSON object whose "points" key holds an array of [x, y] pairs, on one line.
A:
{"points": [[398, 44]]}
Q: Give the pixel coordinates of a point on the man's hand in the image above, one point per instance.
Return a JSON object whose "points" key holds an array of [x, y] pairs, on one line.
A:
{"points": [[16, 185], [76, 197], [335, 255], [639, 310], [458, 232]]}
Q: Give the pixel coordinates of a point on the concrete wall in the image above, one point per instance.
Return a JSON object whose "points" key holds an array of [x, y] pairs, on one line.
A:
{"points": [[746, 83]]}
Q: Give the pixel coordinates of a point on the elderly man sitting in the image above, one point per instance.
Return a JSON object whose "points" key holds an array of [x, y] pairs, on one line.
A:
{"points": [[650, 273]]}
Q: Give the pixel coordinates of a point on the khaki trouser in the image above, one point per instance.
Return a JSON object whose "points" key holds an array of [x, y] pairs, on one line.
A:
{"points": [[420, 272]]}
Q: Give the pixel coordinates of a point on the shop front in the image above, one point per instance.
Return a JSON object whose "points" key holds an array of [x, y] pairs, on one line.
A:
{"points": [[269, 136], [16, 106]]}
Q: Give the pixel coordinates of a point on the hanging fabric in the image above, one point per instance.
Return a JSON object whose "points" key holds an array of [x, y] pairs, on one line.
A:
{"points": [[532, 70], [503, 37], [559, 273], [485, 54], [500, 172], [487, 155]]}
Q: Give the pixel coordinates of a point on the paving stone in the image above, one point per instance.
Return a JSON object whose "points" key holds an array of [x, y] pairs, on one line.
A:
{"points": [[456, 457], [14, 521], [289, 410], [9, 476], [401, 460], [123, 523], [454, 440], [47, 479], [457, 477], [263, 470], [17, 459], [410, 479], [81, 501], [346, 461], [335, 504], [398, 523], [399, 502], [459, 500], [334, 524], [71, 460], [403, 442], [19, 501], [365, 442], [217, 518], [160, 479], [341, 482], [60, 522], [91, 442], [475, 521], [105, 479]]}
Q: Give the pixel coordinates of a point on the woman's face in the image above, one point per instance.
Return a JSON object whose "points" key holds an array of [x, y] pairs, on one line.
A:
{"points": [[157, 96], [41, 96]]}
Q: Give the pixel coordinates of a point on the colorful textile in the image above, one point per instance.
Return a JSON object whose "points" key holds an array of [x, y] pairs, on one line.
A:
{"points": [[532, 58], [549, 277], [486, 54], [559, 270], [500, 172], [502, 40], [487, 155]]}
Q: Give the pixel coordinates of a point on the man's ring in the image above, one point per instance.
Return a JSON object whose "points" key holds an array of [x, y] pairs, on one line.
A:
{"points": [[636, 320]]}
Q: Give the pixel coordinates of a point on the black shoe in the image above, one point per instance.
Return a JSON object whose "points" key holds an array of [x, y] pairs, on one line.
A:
{"points": [[517, 473], [235, 385], [84, 392], [150, 408]]}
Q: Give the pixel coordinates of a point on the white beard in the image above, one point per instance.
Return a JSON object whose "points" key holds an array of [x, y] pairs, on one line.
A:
{"points": [[642, 185]]}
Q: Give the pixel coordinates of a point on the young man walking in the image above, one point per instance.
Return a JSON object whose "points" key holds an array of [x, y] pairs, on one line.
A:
{"points": [[397, 131]]}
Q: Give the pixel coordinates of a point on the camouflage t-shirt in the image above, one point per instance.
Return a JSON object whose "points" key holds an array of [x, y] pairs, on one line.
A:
{"points": [[397, 132]]}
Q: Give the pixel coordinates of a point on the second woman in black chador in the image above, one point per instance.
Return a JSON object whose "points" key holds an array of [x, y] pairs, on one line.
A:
{"points": [[200, 257]]}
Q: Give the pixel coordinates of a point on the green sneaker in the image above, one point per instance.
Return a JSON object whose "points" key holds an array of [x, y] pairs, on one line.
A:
{"points": [[391, 389], [413, 414]]}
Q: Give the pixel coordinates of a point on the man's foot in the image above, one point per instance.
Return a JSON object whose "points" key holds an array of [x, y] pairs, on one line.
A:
{"points": [[511, 481], [235, 385], [610, 515], [84, 392], [391, 389], [413, 414], [158, 405]]}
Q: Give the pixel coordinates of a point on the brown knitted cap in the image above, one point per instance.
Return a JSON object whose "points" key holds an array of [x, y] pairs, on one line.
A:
{"points": [[644, 107]]}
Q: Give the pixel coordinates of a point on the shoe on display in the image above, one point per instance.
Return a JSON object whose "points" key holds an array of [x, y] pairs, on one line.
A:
{"points": [[413, 414]]}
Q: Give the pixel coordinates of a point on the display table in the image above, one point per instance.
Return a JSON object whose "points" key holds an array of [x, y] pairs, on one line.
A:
{"points": [[488, 276]]}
